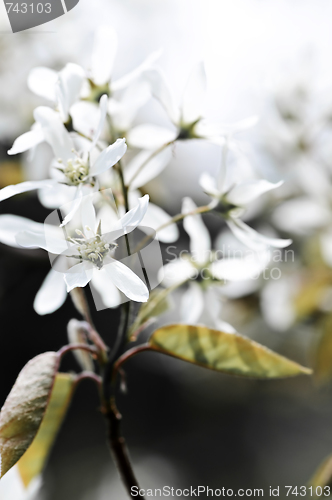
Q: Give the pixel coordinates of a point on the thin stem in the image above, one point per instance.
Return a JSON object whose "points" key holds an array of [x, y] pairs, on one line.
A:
{"points": [[117, 348], [115, 439], [123, 185], [119, 450], [145, 162], [176, 218], [127, 355], [89, 375], [73, 347]]}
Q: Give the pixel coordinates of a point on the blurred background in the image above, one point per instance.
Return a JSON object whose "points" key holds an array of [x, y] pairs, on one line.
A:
{"points": [[186, 426]]}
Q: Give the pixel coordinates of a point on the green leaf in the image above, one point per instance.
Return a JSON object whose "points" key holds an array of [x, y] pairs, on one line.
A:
{"points": [[25, 406], [33, 461], [158, 303], [225, 352], [323, 475], [323, 352], [313, 288]]}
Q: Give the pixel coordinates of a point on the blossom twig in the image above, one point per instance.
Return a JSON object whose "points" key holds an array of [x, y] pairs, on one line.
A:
{"points": [[176, 218], [145, 162]]}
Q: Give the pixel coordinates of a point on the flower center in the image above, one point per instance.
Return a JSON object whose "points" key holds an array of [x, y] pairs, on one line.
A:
{"points": [[92, 249], [76, 171]]}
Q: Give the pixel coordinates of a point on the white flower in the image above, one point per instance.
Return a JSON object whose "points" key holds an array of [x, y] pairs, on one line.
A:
{"points": [[93, 249], [187, 121], [231, 198], [187, 118], [61, 88], [207, 275], [75, 170], [102, 61]]}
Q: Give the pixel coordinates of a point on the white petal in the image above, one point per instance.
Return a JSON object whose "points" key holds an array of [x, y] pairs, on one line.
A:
{"points": [[326, 246], [108, 218], [58, 195], [23, 187], [103, 284], [214, 130], [192, 304], [239, 269], [124, 110], [176, 271], [200, 241], [42, 82], [49, 238], [150, 170], [52, 294], [161, 91], [68, 88], [78, 276], [74, 206], [127, 281], [103, 110], [156, 217], [193, 99], [209, 185], [252, 238], [129, 78], [301, 215], [238, 289], [248, 191], [277, 304], [103, 55], [55, 132], [11, 225], [85, 116], [222, 174], [27, 141], [88, 215], [149, 136], [12, 486], [134, 217], [109, 157]]}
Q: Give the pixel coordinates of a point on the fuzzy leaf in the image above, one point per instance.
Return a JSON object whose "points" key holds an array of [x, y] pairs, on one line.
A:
{"points": [[33, 461], [225, 352], [25, 406]]}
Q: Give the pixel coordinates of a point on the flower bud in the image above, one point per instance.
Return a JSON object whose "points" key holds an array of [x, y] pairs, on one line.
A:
{"points": [[77, 332]]}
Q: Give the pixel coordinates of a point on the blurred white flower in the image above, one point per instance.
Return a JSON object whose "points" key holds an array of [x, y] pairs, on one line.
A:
{"points": [[205, 273], [187, 118], [231, 199], [61, 88]]}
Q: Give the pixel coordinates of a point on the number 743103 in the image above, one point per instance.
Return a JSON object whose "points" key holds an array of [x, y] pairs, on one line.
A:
{"points": [[25, 8]]}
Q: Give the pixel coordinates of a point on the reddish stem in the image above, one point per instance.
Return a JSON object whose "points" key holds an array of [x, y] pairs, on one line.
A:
{"points": [[127, 355], [73, 347]]}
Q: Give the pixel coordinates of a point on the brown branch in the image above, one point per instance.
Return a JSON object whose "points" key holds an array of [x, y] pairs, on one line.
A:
{"points": [[119, 450]]}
